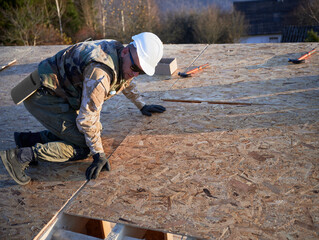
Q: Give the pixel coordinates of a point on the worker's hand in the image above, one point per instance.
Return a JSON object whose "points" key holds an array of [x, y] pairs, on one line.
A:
{"points": [[149, 109], [100, 161]]}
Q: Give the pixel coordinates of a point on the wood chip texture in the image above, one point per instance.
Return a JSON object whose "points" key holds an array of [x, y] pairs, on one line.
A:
{"points": [[218, 170], [204, 170]]}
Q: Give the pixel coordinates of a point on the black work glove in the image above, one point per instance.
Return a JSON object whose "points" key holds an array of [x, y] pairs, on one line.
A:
{"points": [[149, 109], [100, 161]]}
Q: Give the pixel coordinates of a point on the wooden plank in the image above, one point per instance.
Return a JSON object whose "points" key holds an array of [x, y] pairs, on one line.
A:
{"points": [[262, 159], [26, 210], [95, 228], [210, 102], [212, 171], [106, 228], [8, 64], [169, 236]]}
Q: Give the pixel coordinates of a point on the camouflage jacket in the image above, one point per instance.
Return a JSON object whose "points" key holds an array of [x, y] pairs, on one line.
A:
{"points": [[85, 75]]}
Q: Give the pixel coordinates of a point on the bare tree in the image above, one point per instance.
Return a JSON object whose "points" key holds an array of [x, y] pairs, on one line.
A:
{"points": [[103, 17], [308, 12], [92, 14], [89, 11], [128, 17], [60, 12], [30, 26], [215, 26], [209, 26], [236, 26], [25, 23]]}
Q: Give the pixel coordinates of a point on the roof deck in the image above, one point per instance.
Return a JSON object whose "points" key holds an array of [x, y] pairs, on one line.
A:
{"points": [[243, 165]]}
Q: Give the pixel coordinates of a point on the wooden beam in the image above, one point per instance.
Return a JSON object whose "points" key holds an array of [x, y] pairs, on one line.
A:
{"points": [[8, 64], [97, 228], [211, 102]]}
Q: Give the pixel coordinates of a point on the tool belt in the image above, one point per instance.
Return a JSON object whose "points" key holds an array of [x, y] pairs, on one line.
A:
{"points": [[26, 87]]}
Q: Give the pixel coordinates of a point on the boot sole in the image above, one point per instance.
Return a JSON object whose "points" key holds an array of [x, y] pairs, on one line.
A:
{"points": [[7, 165]]}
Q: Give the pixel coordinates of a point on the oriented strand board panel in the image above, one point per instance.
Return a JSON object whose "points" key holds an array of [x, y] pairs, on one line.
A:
{"points": [[24, 210], [218, 170], [119, 115]]}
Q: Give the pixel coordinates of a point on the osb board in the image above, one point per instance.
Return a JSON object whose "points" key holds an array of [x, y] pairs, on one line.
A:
{"points": [[119, 115], [26, 209], [228, 171], [254, 186]]}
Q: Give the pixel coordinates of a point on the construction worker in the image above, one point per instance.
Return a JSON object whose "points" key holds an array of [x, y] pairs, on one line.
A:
{"points": [[74, 84]]}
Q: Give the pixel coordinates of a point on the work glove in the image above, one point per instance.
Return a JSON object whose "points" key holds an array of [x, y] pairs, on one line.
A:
{"points": [[149, 109], [100, 161]]}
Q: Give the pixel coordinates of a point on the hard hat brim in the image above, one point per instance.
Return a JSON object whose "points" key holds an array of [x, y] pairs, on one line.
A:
{"points": [[146, 67]]}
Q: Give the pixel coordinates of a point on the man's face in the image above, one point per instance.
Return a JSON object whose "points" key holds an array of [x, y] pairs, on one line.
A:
{"points": [[130, 58]]}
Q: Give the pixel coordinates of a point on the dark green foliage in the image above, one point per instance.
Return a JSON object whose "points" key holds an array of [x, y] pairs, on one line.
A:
{"points": [[71, 19], [178, 28], [312, 36], [6, 5]]}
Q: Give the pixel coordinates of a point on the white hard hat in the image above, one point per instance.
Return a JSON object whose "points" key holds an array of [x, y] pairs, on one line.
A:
{"points": [[149, 51]]}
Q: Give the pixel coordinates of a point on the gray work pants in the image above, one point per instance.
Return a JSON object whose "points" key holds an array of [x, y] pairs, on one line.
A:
{"points": [[63, 138]]}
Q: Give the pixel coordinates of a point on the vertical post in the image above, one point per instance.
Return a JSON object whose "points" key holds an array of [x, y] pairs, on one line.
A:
{"points": [[149, 15], [123, 23], [103, 18], [59, 16]]}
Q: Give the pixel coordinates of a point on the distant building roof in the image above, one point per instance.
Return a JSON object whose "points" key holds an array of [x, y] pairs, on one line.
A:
{"points": [[267, 16], [297, 33]]}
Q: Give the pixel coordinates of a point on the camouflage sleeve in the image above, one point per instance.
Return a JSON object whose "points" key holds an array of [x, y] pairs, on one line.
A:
{"points": [[96, 85], [133, 94]]}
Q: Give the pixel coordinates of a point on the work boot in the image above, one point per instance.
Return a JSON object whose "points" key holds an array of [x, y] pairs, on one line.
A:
{"points": [[16, 161], [27, 139]]}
